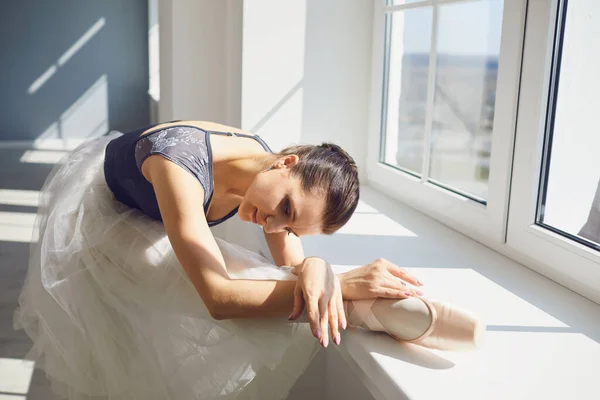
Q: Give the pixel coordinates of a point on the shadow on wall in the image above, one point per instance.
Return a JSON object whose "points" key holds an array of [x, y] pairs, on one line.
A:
{"points": [[75, 69], [291, 93]]}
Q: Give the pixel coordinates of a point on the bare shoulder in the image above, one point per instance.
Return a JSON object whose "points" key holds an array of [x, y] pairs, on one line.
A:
{"points": [[206, 125], [178, 193]]}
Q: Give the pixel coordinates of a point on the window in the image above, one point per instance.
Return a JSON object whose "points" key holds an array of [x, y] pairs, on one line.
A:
{"points": [[491, 130], [555, 201], [445, 81], [448, 138], [568, 198]]}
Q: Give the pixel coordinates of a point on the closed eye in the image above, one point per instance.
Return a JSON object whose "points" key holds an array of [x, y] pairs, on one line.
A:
{"points": [[286, 207], [287, 211]]}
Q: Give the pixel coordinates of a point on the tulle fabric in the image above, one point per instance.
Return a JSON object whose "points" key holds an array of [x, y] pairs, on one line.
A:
{"points": [[113, 315]]}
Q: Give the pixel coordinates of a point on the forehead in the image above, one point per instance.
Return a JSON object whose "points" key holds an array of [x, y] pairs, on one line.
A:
{"points": [[308, 207]]}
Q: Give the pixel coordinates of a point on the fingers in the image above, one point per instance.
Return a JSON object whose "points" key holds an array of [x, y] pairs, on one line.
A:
{"points": [[337, 315], [318, 318], [317, 286], [312, 309], [415, 292], [402, 273], [334, 324], [323, 322], [298, 303], [392, 293], [343, 321], [397, 284]]}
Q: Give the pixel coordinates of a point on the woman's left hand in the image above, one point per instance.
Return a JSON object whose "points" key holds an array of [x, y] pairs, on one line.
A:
{"points": [[380, 278], [319, 289]]}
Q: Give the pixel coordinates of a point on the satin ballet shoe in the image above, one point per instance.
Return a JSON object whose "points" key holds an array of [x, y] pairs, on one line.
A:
{"points": [[425, 322]]}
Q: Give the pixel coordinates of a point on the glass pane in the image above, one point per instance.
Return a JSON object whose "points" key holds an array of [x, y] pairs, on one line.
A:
{"points": [[465, 93], [570, 195], [408, 45]]}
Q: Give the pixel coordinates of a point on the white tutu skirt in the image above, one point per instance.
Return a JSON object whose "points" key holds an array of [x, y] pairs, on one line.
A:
{"points": [[113, 315]]}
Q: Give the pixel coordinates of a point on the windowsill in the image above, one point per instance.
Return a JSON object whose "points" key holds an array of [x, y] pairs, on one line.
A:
{"points": [[542, 340]]}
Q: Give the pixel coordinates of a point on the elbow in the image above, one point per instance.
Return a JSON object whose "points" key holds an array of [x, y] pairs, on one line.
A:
{"points": [[217, 312], [217, 305]]}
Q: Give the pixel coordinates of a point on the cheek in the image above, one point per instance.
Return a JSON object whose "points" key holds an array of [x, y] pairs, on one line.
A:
{"points": [[255, 195], [266, 195], [265, 192]]}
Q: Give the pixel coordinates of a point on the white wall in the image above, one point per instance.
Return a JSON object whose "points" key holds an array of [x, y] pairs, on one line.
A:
{"points": [[337, 73], [273, 70], [293, 72], [193, 59], [305, 72]]}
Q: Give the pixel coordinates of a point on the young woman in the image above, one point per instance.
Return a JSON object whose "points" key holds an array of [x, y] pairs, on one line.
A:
{"points": [[129, 295]]}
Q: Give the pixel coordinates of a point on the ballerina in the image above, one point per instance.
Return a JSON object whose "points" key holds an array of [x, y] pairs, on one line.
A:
{"points": [[129, 295]]}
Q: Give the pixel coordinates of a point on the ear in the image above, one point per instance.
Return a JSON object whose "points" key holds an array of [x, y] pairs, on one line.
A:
{"points": [[287, 161]]}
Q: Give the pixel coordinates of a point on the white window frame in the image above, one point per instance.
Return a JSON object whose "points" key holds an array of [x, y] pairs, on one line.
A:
{"points": [[484, 223], [523, 91], [570, 263]]}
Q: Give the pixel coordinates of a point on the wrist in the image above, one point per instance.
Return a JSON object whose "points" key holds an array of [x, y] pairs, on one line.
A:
{"points": [[308, 261], [297, 268], [342, 279]]}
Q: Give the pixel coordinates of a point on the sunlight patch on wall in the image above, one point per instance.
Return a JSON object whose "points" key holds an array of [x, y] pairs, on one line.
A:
{"points": [[39, 82], [17, 227], [67, 55], [81, 41], [42, 156], [85, 119], [15, 197], [15, 377]]}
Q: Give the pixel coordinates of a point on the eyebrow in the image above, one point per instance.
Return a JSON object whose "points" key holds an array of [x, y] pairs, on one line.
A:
{"points": [[293, 211], [293, 208]]}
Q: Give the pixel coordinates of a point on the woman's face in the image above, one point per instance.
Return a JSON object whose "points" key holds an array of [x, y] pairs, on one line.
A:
{"points": [[276, 201]]}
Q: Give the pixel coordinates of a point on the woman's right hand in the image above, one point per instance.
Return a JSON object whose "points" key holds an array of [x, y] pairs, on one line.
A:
{"points": [[319, 289]]}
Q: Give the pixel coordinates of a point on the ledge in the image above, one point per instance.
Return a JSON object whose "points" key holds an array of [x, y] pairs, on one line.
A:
{"points": [[542, 340]]}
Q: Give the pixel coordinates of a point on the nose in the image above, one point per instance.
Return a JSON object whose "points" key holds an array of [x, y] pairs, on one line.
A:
{"points": [[272, 225]]}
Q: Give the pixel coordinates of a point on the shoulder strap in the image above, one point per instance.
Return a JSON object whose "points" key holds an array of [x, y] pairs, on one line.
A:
{"points": [[255, 137]]}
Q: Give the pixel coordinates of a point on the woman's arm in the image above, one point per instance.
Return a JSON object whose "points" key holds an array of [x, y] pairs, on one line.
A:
{"points": [[285, 249], [180, 197]]}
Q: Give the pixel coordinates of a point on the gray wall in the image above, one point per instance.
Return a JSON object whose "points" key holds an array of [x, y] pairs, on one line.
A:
{"points": [[101, 86]]}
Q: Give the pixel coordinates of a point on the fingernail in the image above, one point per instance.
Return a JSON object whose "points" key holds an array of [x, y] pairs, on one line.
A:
{"points": [[337, 339], [408, 293], [344, 325], [318, 334], [290, 317], [325, 342], [420, 283], [419, 292]]}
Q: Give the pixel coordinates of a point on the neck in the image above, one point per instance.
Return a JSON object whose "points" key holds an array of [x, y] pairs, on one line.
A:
{"points": [[235, 174]]}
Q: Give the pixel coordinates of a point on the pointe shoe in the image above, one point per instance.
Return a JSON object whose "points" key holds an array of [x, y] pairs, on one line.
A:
{"points": [[452, 328], [443, 327]]}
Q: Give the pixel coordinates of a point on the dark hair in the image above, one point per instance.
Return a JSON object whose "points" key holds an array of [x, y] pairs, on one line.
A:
{"points": [[330, 169]]}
